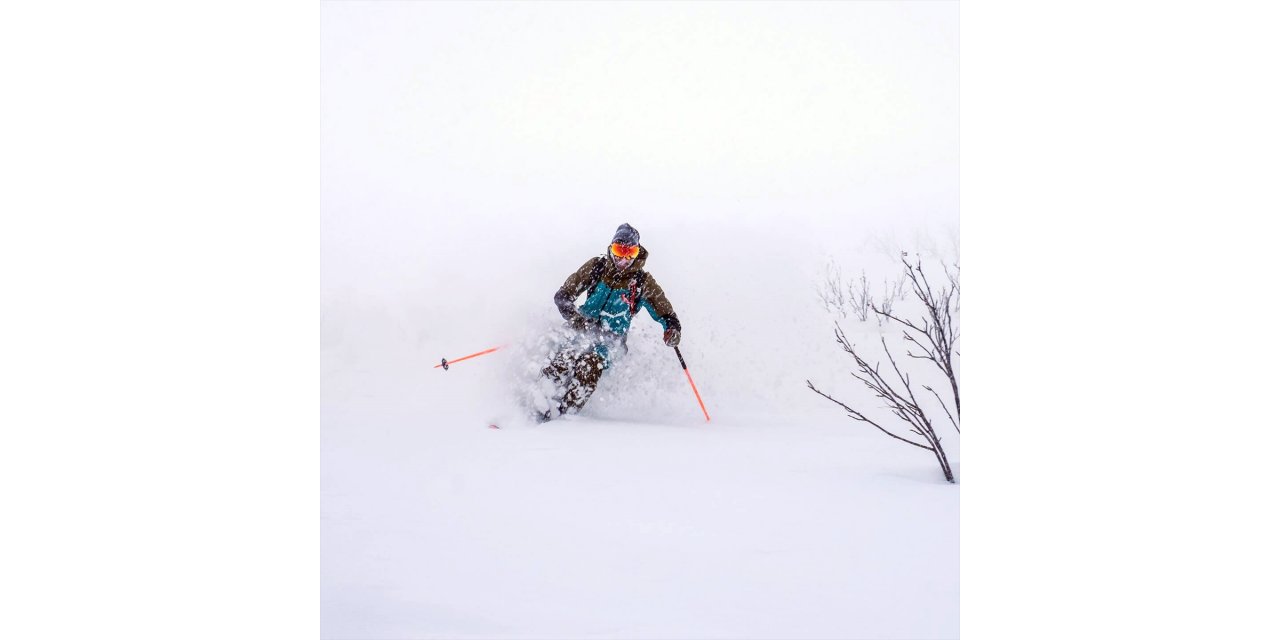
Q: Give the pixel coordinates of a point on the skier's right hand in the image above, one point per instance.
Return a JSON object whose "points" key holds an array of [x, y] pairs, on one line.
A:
{"points": [[583, 323]]}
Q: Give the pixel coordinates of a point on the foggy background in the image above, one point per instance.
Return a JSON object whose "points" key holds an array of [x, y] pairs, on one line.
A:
{"points": [[473, 155]]}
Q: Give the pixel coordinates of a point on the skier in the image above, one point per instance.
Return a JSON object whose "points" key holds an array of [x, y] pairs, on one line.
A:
{"points": [[617, 287]]}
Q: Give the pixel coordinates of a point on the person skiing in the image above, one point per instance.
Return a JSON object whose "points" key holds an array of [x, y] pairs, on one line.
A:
{"points": [[617, 287]]}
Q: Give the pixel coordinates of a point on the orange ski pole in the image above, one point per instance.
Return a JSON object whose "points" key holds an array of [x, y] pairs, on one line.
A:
{"points": [[691, 384], [445, 363]]}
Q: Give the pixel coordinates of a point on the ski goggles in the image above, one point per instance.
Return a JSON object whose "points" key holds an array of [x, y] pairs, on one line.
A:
{"points": [[628, 251]]}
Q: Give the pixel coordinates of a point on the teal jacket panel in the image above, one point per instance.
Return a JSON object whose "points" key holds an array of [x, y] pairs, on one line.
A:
{"points": [[613, 308]]}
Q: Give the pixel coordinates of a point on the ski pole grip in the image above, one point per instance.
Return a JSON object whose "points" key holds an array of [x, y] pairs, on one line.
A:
{"points": [[682, 364]]}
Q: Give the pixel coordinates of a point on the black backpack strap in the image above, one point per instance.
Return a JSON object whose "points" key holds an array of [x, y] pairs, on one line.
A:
{"points": [[637, 291]]}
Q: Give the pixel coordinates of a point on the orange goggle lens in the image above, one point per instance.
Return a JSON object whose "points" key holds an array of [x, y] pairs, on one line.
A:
{"points": [[624, 250]]}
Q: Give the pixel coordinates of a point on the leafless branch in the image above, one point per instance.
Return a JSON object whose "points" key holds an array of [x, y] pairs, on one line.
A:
{"points": [[858, 415], [860, 298], [944, 408]]}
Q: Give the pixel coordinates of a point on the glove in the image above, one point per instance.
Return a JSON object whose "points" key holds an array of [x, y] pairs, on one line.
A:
{"points": [[583, 323], [671, 336]]}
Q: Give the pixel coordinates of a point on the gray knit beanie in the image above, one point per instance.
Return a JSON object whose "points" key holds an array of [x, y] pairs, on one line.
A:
{"points": [[626, 234]]}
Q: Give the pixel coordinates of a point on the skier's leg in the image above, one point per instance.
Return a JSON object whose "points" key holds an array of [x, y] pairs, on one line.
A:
{"points": [[554, 382], [560, 368], [586, 376]]}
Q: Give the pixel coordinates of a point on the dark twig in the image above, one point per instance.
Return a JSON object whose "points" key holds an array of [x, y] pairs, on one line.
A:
{"points": [[859, 416], [944, 408]]}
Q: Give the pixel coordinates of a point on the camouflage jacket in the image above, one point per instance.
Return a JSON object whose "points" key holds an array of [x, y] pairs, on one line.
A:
{"points": [[614, 297]]}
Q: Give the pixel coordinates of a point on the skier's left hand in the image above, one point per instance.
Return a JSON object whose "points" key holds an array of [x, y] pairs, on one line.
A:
{"points": [[671, 336]]}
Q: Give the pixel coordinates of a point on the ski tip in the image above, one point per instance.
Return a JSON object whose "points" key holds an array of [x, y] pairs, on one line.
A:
{"points": [[494, 426]]}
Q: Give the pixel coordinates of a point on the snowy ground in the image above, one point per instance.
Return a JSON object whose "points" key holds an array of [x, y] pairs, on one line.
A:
{"points": [[616, 525]]}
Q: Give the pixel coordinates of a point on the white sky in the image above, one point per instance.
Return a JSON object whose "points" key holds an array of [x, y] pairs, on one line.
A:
{"points": [[449, 128]]}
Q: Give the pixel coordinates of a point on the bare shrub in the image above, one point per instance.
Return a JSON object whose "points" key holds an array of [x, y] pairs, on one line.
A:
{"points": [[893, 292], [932, 337], [831, 291], [853, 298], [860, 298]]}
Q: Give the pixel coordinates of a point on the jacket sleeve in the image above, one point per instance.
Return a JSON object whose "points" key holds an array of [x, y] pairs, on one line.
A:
{"points": [[654, 300], [573, 286]]}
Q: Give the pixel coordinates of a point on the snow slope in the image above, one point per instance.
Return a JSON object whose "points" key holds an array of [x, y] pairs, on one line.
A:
{"points": [[764, 527], [626, 522]]}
